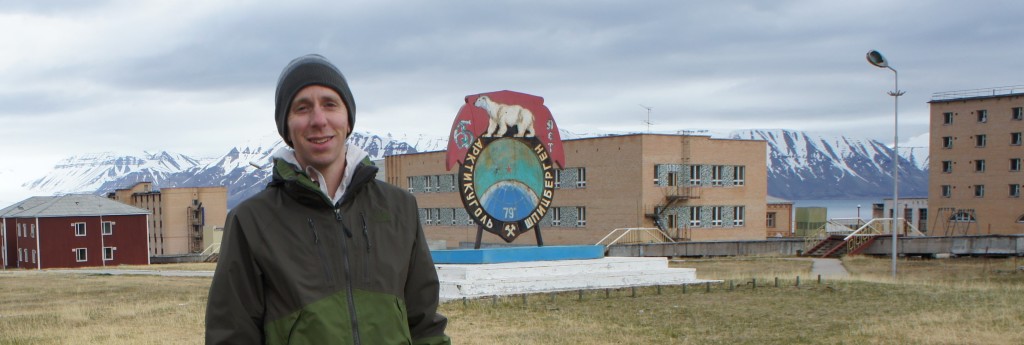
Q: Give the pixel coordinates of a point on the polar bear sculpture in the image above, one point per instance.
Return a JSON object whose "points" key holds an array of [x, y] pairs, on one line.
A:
{"points": [[504, 116]]}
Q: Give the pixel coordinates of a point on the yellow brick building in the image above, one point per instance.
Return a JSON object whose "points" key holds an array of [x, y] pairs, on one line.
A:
{"points": [[184, 219], [975, 172], [695, 187]]}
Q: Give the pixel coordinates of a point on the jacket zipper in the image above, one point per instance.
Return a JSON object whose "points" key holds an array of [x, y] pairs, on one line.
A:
{"points": [[348, 277], [324, 264], [366, 259]]}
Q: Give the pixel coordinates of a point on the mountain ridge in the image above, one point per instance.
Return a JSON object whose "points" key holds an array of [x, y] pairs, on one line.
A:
{"points": [[801, 165]]}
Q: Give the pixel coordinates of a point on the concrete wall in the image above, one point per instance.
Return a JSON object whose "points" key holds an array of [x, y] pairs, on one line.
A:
{"points": [[1012, 245]]}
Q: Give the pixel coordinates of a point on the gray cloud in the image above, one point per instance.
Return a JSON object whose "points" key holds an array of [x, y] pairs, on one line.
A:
{"points": [[117, 66]]}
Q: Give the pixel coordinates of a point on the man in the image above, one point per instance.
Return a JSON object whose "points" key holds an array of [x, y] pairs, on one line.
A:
{"points": [[326, 254]]}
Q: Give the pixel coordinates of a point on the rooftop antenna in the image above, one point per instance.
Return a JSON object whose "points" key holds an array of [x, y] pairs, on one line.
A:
{"points": [[648, 122]]}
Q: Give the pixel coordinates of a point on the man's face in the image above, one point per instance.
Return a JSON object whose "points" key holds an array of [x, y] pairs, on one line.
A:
{"points": [[318, 127]]}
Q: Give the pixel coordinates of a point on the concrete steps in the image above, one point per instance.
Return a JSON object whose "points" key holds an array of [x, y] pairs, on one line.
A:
{"points": [[480, 280]]}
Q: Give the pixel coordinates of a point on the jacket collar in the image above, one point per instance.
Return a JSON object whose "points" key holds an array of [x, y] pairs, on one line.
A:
{"points": [[358, 171]]}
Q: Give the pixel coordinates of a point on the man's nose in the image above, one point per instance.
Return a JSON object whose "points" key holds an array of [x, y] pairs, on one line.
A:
{"points": [[319, 117]]}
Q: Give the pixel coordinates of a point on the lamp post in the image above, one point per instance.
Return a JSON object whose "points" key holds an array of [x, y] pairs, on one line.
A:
{"points": [[876, 59]]}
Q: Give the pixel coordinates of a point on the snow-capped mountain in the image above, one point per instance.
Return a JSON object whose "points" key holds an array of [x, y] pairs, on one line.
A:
{"points": [[801, 165], [90, 172]]}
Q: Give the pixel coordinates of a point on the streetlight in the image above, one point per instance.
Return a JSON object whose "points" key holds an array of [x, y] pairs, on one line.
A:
{"points": [[876, 58]]}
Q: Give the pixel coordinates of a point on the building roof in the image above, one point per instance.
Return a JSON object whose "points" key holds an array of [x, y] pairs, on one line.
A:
{"points": [[70, 205], [771, 200]]}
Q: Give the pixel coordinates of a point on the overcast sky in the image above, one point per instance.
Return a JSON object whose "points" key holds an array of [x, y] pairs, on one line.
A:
{"points": [[198, 77]]}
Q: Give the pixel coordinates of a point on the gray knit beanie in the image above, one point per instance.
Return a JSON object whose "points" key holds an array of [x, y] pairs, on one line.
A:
{"points": [[304, 71]]}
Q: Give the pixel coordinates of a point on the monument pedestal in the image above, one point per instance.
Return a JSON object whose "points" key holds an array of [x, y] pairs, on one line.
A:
{"points": [[513, 278]]}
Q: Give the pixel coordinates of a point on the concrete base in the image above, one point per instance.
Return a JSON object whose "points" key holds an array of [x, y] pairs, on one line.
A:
{"points": [[516, 254], [473, 281]]}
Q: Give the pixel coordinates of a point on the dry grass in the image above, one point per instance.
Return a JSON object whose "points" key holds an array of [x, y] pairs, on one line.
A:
{"points": [[957, 301], [47, 308], [738, 268]]}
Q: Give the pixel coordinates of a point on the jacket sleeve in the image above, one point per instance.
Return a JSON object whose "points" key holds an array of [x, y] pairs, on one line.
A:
{"points": [[421, 293], [235, 308]]}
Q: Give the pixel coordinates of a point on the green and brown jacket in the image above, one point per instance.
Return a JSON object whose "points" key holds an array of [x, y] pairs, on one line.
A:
{"points": [[296, 269]]}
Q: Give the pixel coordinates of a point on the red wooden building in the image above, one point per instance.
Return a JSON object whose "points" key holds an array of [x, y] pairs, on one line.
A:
{"points": [[75, 230]]}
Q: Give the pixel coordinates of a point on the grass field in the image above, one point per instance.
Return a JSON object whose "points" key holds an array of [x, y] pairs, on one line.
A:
{"points": [[950, 301]]}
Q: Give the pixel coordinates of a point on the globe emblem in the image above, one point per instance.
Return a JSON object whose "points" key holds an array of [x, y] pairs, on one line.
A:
{"points": [[509, 178]]}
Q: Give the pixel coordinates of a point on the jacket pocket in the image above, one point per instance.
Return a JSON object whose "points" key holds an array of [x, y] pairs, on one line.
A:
{"points": [[321, 255]]}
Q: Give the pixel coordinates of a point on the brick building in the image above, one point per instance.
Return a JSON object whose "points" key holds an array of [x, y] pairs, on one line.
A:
{"points": [[975, 153], [73, 231], [694, 187], [184, 219]]}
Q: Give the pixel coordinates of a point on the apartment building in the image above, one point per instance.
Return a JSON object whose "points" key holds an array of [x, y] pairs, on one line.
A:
{"points": [[184, 219], [693, 187], [74, 230], [975, 162]]}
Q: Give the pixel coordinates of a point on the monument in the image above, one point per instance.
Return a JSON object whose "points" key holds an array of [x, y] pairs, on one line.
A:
{"points": [[507, 147]]}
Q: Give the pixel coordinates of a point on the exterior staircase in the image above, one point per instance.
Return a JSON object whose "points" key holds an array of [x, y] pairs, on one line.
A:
{"points": [[835, 246]]}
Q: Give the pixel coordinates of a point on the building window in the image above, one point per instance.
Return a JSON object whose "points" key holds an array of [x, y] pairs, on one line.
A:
{"points": [[672, 221], [1014, 164], [922, 219], [108, 228], [982, 115], [695, 216], [1015, 139], [108, 253], [739, 175], [947, 191], [947, 166], [671, 176], [558, 178], [410, 178], [947, 142], [1014, 190], [21, 256], [33, 256], [1018, 113], [81, 254], [694, 175], [962, 216], [979, 165], [716, 216], [737, 215], [582, 220], [20, 234], [716, 174], [947, 118], [556, 216], [427, 184], [980, 140], [32, 230], [79, 229], [582, 181], [770, 219], [979, 191]]}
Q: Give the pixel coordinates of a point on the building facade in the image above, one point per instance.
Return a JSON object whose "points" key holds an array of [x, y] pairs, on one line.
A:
{"points": [[183, 218], [778, 220], [913, 211], [975, 157], [693, 187], [73, 231]]}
